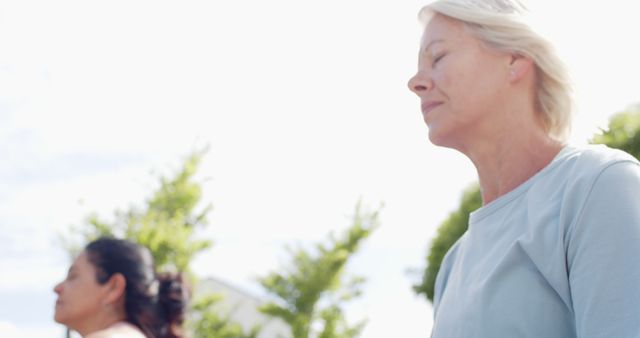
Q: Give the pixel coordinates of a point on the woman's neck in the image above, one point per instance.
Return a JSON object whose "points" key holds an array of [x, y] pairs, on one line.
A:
{"points": [[508, 162], [98, 323]]}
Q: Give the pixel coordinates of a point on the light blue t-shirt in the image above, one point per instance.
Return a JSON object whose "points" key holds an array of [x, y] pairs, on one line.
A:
{"points": [[559, 256]]}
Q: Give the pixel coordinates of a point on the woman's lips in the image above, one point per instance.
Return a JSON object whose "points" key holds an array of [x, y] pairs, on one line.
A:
{"points": [[428, 106]]}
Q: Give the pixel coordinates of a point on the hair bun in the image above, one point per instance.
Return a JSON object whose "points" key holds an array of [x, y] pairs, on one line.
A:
{"points": [[173, 296]]}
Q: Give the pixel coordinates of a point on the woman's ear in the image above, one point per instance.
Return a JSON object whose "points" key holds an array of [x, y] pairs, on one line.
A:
{"points": [[519, 67], [115, 288]]}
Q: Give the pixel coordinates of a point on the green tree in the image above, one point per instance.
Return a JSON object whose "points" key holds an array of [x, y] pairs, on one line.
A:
{"points": [[310, 294], [167, 225], [622, 133], [209, 323], [448, 233]]}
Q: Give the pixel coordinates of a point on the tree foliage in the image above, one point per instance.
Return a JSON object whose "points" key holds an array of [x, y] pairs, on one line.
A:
{"points": [[622, 133], [209, 323], [448, 233], [166, 225], [309, 295]]}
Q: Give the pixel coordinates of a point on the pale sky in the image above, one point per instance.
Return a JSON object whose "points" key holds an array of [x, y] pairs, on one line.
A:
{"points": [[304, 106]]}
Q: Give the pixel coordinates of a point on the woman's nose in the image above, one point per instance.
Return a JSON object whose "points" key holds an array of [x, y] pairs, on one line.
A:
{"points": [[419, 83], [58, 288]]}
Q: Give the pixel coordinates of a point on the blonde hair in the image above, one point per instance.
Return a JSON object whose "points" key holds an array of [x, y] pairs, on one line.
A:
{"points": [[502, 25]]}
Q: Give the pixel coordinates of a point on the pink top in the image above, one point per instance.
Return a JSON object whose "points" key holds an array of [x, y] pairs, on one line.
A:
{"points": [[118, 330]]}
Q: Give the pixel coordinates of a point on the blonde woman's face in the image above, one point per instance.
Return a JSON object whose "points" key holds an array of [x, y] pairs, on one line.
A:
{"points": [[79, 295], [459, 81]]}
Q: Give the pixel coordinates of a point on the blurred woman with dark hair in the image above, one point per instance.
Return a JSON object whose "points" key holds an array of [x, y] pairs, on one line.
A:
{"points": [[112, 291]]}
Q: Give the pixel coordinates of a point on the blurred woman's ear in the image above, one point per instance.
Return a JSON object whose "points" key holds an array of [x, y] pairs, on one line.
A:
{"points": [[520, 65], [115, 288]]}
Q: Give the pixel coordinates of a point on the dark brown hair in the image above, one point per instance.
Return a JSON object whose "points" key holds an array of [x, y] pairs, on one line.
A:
{"points": [[156, 304]]}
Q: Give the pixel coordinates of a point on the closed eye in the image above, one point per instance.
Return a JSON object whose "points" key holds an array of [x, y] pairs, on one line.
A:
{"points": [[437, 58]]}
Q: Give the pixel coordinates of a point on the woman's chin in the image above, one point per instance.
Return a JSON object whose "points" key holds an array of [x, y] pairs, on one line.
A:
{"points": [[443, 137], [436, 138], [58, 317]]}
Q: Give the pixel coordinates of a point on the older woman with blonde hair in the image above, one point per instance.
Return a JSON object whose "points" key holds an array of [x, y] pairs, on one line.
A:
{"points": [[555, 249]]}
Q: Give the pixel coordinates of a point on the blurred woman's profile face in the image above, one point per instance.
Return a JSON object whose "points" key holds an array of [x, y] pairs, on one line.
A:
{"points": [[79, 295], [459, 82]]}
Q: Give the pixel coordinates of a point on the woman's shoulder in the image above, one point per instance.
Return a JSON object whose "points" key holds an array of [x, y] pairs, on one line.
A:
{"points": [[118, 330], [582, 165], [596, 155], [597, 173], [575, 172]]}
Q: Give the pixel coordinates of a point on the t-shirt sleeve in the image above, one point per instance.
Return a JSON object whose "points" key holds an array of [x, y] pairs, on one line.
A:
{"points": [[603, 255]]}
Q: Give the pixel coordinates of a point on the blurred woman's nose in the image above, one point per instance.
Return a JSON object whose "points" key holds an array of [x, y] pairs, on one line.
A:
{"points": [[419, 83], [58, 288]]}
